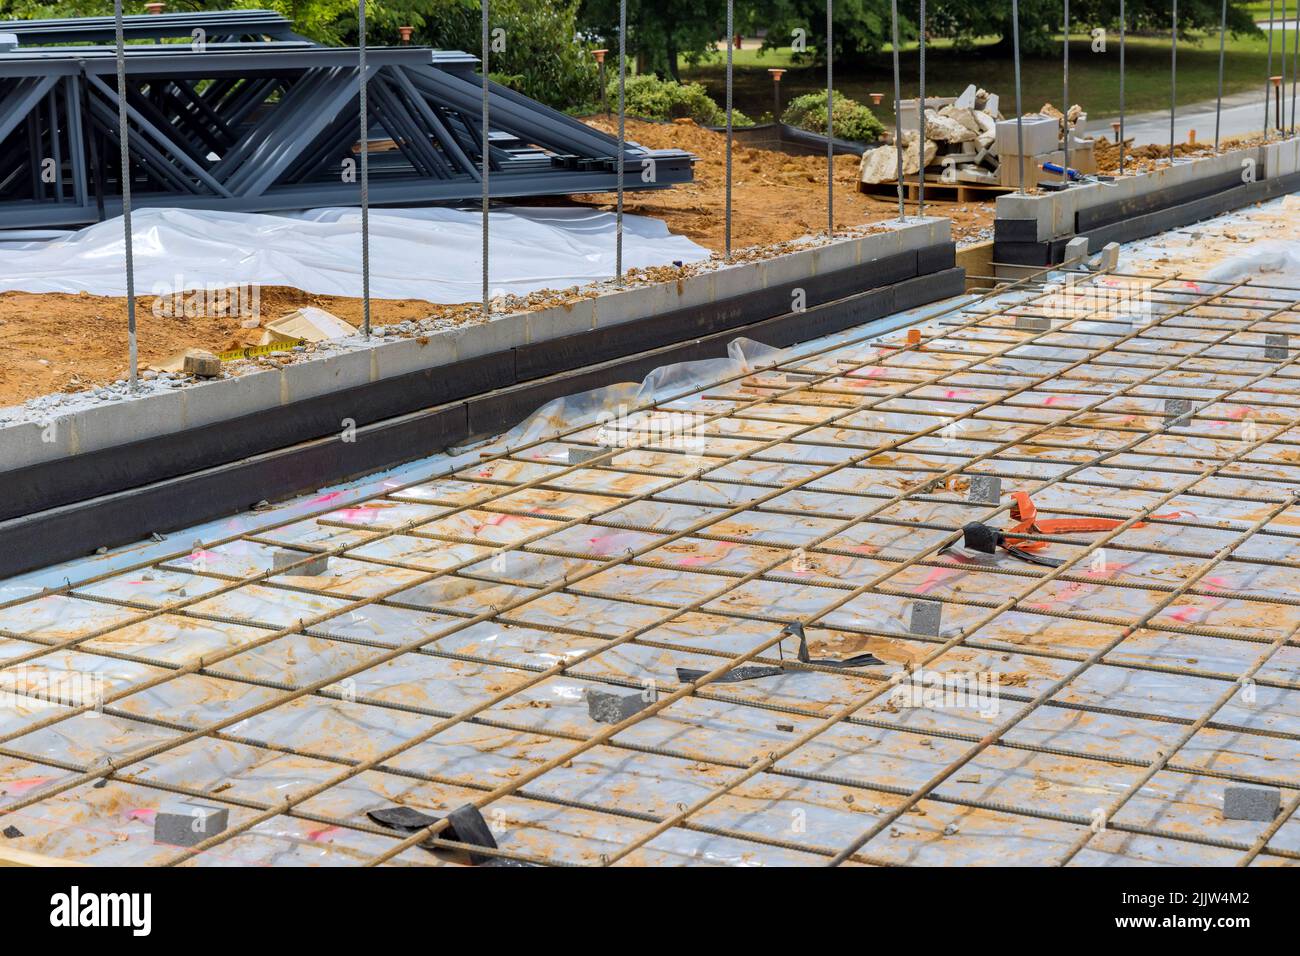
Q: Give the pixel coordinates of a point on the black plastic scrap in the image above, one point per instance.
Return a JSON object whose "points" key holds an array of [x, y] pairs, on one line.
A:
{"points": [[795, 628], [687, 675], [466, 826], [980, 537], [12, 833]]}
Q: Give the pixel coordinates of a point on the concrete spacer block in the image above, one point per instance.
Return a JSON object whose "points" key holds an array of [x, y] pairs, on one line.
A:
{"points": [[187, 824], [1033, 323], [1251, 803], [985, 489], [283, 557], [1277, 346], [1178, 411], [1076, 250], [927, 618], [576, 456], [613, 708]]}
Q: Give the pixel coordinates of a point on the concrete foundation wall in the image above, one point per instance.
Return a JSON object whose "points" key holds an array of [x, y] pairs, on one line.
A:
{"points": [[352, 363], [1031, 232], [1054, 214]]}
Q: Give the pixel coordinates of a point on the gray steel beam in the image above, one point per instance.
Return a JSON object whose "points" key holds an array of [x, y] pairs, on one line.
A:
{"points": [[168, 147], [266, 23]]}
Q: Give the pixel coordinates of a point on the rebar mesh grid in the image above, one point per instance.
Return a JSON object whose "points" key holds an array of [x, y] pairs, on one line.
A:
{"points": [[445, 658]]}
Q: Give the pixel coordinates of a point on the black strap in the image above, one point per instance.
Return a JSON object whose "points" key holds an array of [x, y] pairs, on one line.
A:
{"points": [[687, 675], [466, 825], [795, 628]]}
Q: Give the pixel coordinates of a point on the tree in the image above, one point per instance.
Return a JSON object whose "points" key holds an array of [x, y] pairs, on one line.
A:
{"points": [[859, 27], [659, 32], [1041, 20], [539, 51]]}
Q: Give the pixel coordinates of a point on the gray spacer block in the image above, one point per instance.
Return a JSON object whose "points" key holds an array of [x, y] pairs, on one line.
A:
{"points": [[1251, 803], [927, 616], [187, 824], [1108, 258], [606, 708], [985, 489], [1178, 411], [1276, 346], [283, 557], [1076, 250], [576, 456], [1033, 323]]}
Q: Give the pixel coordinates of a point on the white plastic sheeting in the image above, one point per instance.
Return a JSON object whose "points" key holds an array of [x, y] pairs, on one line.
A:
{"points": [[1275, 262], [429, 253]]}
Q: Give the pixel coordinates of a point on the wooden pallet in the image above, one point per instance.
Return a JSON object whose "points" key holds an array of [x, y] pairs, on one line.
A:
{"points": [[936, 190]]}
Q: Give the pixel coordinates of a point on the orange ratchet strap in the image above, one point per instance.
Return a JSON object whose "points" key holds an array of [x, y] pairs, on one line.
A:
{"points": [[1025, 514]]}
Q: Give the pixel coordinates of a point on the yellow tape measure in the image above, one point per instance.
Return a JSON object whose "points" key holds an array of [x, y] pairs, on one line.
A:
{"points": [[253, 351]]}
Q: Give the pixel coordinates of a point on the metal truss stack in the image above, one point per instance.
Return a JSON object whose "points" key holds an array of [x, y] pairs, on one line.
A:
{"points": [[248, 116]]}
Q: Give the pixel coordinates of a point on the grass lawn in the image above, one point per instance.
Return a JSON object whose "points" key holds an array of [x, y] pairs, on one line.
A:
{"points": [[1094, 77]]}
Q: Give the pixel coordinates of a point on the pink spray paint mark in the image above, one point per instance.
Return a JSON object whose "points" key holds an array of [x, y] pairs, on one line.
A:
{"points": [[20, 787], [1185, 614], [1217, 584], [602, 544], [142, 813], [1107, 570], [1053, 399], [326, 498], [359, 513], [319, 835], [932, 579]]}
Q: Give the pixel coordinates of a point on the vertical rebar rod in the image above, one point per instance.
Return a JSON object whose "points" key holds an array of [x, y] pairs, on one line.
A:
{"points": [[1268, 79], [830, 123], [1020, 113], [1295, 70], [487, 162], [363, 84], [1173, 76], [1123, 67], [1281, 90], [1065, 95], [898, 110], [122, 134], [1218, 103], [730, 45], [622, 139], [920, 115]]}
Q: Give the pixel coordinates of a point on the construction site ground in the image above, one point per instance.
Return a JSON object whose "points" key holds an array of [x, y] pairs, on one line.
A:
{"points": [[68, 343], [472, 608]]}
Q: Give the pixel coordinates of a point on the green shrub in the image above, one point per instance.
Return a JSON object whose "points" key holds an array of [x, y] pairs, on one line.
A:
{"points": [[651, 98], [852, 120]]}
